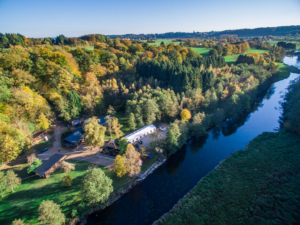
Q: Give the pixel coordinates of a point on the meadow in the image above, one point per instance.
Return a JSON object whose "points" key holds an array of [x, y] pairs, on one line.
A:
{"points": [[202, 51], [166, 41], [228, 59]]}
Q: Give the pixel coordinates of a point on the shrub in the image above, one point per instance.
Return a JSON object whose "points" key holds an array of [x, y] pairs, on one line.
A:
{"points": [[67, 180]]}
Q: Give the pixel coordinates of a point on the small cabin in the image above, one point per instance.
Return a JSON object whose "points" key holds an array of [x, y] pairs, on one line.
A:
{"points": [[74, 139], [49, 166]]}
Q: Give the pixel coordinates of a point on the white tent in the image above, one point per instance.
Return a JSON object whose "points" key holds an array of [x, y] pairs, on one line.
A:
{"points": [[140, 133]]}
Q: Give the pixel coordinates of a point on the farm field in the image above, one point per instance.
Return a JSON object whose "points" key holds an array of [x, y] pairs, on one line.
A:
{"points": [[202, 51], [166, 41], [25, 201], [230, 59]]}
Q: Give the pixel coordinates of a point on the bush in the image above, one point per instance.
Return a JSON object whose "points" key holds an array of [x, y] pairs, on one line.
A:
{"points": [[67, 180], [36, 163]]}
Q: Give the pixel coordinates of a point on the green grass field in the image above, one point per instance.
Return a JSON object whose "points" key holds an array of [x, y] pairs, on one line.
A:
{"points": [[232, 58], [202, 51], [228, 59], [295, 42], [24, 203], [86, 47], [285, 70], [166, 41]]}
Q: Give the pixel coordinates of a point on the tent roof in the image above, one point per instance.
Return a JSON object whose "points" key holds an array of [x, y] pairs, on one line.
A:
{"points": [[139, 131]]}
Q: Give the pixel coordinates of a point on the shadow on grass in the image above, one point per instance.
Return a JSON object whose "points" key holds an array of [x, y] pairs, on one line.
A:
{"points": [[25, 203]]}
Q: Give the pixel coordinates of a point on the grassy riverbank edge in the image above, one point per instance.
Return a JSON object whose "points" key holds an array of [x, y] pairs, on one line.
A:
{"points": [[246, 186]]}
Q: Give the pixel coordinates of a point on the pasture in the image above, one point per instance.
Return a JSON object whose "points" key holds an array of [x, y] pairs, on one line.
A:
{"points": [[202, 51], [230, 59], [166, 41]]}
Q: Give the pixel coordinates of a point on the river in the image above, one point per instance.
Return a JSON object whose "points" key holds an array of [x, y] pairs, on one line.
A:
{"points": [[162, 189]]}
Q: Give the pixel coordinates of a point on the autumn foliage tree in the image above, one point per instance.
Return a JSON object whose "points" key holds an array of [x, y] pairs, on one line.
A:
{"points": [[117, 127], [185, 115], [120, 166], [132, 161], [94, 132]]}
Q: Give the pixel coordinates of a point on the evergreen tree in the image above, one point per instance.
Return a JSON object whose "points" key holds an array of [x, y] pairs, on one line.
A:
{"points": [[131, 121]]}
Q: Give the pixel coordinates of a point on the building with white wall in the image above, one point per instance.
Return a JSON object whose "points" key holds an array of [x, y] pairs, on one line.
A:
{"points": [[140, 133]]}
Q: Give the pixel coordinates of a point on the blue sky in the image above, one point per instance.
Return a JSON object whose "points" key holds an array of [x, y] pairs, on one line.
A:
{"points": [[49, 18]]}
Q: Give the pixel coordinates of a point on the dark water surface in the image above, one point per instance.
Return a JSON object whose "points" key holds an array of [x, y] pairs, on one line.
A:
{"points": [[161, 190]]}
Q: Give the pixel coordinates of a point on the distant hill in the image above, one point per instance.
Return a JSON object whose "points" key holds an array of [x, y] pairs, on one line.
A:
{"points": [[262, 31]]}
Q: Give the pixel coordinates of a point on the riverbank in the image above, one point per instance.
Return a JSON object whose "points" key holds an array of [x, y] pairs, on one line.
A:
{"points": [[117, 195], [258, 185]]}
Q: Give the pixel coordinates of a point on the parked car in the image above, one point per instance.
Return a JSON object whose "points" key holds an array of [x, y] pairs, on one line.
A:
{"points": [[149, 155], [44, 150], [162, 128]]}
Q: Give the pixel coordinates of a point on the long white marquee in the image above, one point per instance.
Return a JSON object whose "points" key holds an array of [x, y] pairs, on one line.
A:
{"points": [[140, 133]]}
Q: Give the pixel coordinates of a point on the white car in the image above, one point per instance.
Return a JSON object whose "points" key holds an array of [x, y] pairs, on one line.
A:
{"points": [[162, 128]]}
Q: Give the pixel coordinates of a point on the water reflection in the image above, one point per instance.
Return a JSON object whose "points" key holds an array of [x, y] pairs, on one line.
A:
{"points": [[230, 126], [197, 143], [216, 132], [270, 92], [175, 160]]}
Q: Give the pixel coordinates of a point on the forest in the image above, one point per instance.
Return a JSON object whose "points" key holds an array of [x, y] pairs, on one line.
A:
{"points": [[258, 185], [47, 78], [264, 31]]}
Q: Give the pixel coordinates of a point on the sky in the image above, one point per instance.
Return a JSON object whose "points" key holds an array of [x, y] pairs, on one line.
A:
{"points": [[73, 18]]}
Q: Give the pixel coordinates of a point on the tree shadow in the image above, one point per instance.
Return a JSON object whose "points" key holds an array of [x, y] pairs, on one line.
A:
{"points": [[175, 160]]}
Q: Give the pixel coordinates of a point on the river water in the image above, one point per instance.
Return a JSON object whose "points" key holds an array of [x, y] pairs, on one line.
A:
{"points": [[162, 189]]}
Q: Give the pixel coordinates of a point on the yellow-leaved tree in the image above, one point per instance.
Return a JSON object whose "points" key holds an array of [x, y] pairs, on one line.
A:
{"points": [[43, 122], [132, 161], [116, 127], [119, 166], [94, 132], [185, 115]]}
